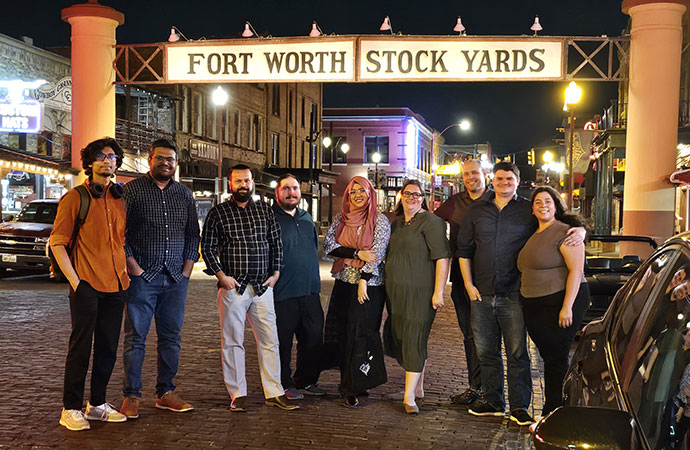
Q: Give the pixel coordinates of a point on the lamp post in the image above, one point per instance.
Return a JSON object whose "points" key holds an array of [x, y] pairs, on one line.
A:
{"points": [[376, 157], [572, 96], [345, 147], [220, 98], [464, 125]]}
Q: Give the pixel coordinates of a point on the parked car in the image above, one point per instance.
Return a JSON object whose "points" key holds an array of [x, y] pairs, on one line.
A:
{"points": [[628, 384], [607, 274], [23, 238]]}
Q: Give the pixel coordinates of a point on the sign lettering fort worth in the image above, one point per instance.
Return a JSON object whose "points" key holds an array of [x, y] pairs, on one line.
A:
{"points": [[365, 59], [321, 61]]}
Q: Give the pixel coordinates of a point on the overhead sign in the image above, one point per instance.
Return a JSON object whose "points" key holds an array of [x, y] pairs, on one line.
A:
{"points": [[459, 59], [57, 96], [262, 60], [379, 58], [449, 169]]}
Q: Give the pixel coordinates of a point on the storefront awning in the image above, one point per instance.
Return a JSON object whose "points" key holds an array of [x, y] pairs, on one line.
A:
{"points": [[34, 163]]}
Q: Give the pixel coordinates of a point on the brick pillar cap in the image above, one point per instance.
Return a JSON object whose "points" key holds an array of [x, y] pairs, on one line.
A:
{"points": [[93, 9], [627, 4]]}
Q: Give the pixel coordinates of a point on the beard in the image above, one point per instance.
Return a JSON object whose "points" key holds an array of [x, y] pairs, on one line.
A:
{"points": [[159, 176], [289, 206], [242, 195]]}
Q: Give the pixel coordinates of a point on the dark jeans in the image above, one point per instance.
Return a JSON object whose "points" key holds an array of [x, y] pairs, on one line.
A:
{"points": [[462, 309], [493, 317], [164, 299], [344, 307], [96, 318], [553, 342], [301, 317]]}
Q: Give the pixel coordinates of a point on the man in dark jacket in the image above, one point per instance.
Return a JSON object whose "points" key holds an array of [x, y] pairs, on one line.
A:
{"points": [[296, 294]]}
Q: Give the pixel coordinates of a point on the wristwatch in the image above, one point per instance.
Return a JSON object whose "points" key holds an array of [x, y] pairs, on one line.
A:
{"points": [[356, 254]]}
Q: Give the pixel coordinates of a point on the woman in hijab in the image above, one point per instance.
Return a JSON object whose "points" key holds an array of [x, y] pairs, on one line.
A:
{"points": [[357, 241]]}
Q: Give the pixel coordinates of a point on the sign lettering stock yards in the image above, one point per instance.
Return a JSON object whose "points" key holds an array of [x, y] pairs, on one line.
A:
{"points": [[366, 59]]}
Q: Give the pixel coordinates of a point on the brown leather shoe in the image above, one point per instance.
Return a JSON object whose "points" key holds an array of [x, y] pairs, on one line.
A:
{"points": [[130, 407], [239, 404], [281, 402], [172, 402]]}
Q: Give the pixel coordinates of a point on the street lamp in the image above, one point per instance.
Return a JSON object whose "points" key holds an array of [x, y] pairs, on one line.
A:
{"points": [[344, 147], [573, 93], [220, 98], [464, 125], [376, 157]]}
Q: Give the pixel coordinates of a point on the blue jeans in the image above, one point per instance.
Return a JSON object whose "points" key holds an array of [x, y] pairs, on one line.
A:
{"points": [[494, 316], [164, 299]]}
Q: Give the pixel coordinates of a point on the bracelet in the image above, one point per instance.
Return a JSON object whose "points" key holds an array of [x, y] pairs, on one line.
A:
{"points": [[356, 254]]}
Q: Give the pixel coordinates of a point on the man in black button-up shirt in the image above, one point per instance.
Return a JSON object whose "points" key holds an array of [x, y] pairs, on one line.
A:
{"points": [[246, 236], [161, 245]]}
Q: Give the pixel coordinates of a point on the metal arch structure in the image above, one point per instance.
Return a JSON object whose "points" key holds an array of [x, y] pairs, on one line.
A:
{"points": [[585, 58]]}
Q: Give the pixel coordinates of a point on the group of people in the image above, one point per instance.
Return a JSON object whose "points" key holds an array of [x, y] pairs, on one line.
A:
{"points": [[136, 249]]}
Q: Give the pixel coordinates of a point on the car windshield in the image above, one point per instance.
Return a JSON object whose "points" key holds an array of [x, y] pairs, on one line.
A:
{"points": [[38, 213]]}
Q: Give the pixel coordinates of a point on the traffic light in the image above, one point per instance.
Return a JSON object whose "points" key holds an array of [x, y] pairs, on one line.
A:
{"points": [[530, 157]]}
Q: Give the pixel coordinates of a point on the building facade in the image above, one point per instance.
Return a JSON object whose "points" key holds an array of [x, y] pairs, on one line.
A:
{"points": [[399, 136]]}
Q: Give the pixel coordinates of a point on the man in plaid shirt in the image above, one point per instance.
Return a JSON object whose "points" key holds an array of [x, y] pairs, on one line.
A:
{"points": [[241, 245]]}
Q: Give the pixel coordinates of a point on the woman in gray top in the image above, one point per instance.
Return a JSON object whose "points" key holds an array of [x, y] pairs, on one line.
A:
{"points": [[553, 292]]}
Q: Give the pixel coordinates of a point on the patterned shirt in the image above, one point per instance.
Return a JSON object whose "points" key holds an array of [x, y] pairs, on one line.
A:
{"points": [[162, 226], [382, 233], [247, 240]]}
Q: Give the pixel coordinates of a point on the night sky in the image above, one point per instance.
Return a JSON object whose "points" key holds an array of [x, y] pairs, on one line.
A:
{"points": [[512, 116]]}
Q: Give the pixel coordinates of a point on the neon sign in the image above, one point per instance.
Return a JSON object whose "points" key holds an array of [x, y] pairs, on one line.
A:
{"points": [[20, 113]]}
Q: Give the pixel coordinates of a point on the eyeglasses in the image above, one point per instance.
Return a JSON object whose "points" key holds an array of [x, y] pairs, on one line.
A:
{"points": [[170, 159], [358, 192], [102, 157], [415, 195]]}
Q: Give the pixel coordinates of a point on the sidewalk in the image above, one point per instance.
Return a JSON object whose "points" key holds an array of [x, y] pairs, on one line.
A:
{"points": [[34, 330]]}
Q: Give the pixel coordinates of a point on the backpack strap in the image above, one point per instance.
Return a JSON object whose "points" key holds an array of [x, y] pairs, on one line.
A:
{"points": [[84, 204]]}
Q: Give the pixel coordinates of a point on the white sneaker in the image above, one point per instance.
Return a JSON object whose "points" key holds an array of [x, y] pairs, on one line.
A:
{"points": [[104, 413], [73, 420]]}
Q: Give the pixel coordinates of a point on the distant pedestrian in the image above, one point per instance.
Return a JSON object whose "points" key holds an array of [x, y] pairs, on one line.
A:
{"points": [[357, 239], [416, 276], [241, 245], [161, 244], [96, 270], [297, 292]]}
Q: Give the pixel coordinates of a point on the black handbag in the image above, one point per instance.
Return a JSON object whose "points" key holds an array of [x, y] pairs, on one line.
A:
{"points": [[366, 366]]}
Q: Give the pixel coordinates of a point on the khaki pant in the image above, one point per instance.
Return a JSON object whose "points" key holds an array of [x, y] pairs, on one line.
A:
{"points": [[233, 309]]}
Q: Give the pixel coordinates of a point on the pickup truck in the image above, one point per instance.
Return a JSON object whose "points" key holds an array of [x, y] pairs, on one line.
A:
{"points": [[23, 238]]}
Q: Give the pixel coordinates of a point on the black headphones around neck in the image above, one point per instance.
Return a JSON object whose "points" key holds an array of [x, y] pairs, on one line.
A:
{"points": [[97, 190]]}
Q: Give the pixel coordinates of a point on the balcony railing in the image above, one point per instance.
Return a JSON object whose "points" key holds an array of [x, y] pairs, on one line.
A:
{"points": [[616, 115], [136, 137]]}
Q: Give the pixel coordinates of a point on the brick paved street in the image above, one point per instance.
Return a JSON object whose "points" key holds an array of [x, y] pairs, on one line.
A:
{"points": [[34, 330]]}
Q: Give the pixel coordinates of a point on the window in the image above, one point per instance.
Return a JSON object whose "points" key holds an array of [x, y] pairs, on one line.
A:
{"points": [[258, 131], [197, 114], [289, 161], [290, 106], [238, 127], [659, 352], [335, 149], [251, 143], [213, 123], [373, 144], [275, 99], [304, 112], [226, 125], [275, 148], [38, 213]]}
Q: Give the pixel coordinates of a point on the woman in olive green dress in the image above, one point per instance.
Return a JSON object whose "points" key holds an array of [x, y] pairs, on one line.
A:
{"points": [[416, 275]]}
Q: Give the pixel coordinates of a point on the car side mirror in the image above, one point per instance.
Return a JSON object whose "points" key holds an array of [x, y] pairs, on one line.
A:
{"points": [[583, 427], [9, 218]]}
